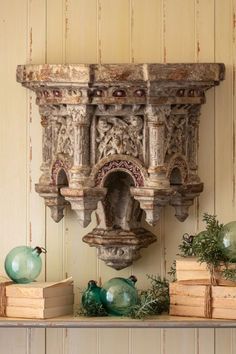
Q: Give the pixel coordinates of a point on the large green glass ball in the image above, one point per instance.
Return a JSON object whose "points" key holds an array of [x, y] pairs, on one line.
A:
{"points": [[23, 264], [118, 295], [229, 240]]}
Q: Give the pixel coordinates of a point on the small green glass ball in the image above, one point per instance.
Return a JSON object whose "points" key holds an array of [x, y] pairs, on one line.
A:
{"points": [[91, 296], [118, 295], [23, 264], [229, 240]]}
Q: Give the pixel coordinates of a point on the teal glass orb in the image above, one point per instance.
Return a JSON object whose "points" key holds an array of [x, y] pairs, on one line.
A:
{"points": [[229, 240], [23, 264], [118, 295], [91, 296]]}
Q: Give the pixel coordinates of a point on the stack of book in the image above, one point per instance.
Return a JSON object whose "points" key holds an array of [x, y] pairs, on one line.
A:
{"points": [[40, 300], [193, 294]]}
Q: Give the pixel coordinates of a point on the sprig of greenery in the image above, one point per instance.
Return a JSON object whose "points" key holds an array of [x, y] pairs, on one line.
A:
{"points": [[229, 274], [172, 271], [208, 245], [152, 301], [186, 247], [92, 310]]}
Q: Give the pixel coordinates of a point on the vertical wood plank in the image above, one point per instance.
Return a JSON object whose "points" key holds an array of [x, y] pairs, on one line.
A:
{"points": [[146, 31], [55, 53], [35, 204], [179, 341], [179, 46], [13, 156], [56, 31], [224, 113], [205, 52], [179, 30], [114, 31], [224, 185], [234, 100], [205, 341], [82, 34], [81, 341], [115, 340], [204, 30]]}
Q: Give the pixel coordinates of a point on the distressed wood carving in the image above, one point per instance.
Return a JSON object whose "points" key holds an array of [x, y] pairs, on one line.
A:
{"points": [[119, 139]]}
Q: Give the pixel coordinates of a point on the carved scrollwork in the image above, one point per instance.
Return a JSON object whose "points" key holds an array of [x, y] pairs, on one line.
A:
{"points": [[157, 114], [80, 114], [175, 133], [65, 139], [117, 135], [181, 133]]}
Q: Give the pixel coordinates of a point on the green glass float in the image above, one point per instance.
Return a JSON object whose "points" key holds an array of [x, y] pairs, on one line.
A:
{"points": [[229, 240], [118, 295], [23, 264], [91, 300]]}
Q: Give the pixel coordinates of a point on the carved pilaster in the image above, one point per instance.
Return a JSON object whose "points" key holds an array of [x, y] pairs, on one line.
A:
{"points": [[156, 118], [46, 114], [192, 136], [81, 118]]}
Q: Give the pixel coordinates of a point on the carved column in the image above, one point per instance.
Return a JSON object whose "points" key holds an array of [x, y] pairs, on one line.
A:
{"points": [[192, 137], [48, 190], [82, 197], [156, 116], [47, 141], [81, 117]]}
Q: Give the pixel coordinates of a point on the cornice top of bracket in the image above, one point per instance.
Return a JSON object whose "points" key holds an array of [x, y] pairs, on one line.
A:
{"points": [[85, 74]]}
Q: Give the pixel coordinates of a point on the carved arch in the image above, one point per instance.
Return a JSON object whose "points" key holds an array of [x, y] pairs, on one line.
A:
{"points": [[119, 163], [177, 170]]}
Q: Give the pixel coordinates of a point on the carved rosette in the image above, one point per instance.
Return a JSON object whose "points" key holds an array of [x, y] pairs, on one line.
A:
{"points": [[119, 139]]}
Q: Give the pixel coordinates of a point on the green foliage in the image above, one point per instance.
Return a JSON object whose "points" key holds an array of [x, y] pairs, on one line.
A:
{"points": [[229, 274], [92, 310], [208, 245], [186, 247], [172, 271], [152, 301]]}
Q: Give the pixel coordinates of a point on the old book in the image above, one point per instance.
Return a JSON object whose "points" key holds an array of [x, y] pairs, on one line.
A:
{"points": [[4, 282], [189, 311], [40, 313], [190, 271], [224, 302], [40, 303], [190, 300], [203, 301], [40, 290]]}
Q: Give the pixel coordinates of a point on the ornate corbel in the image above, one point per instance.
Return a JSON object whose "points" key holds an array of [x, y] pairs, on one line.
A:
{"points": [[123, 135]]}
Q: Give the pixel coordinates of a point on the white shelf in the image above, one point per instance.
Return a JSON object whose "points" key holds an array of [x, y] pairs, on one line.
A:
{"points": [[163, 321]]}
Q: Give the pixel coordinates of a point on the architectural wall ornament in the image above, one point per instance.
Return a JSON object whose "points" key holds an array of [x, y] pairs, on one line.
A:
{"points": [[119, 139]]}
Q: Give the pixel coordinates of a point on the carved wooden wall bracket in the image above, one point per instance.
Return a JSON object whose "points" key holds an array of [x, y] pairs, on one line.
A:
{"points": [[119, 139]]}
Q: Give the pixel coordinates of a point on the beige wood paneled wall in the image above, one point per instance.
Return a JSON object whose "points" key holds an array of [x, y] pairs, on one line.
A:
{"points": [[111, 31]]}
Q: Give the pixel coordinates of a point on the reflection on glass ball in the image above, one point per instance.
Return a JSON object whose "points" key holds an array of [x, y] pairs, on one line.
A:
{"points": [[119, 295], [229, 240]]}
